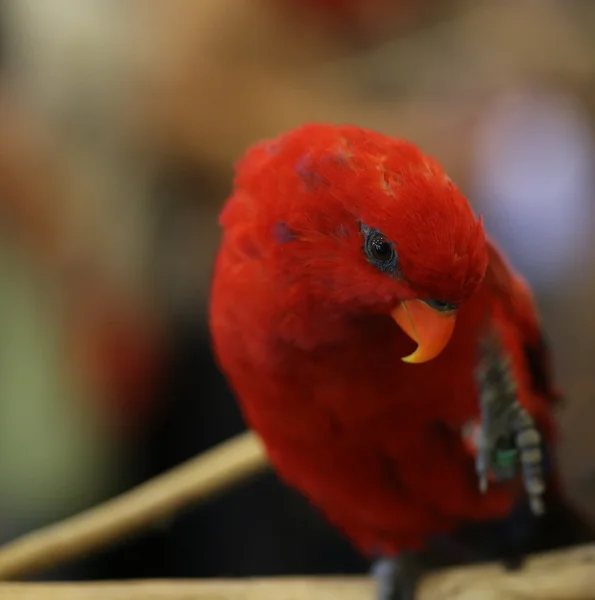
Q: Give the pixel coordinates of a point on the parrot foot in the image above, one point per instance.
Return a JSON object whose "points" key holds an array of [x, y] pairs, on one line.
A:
{"points": [[508, 439], [397, 577]]}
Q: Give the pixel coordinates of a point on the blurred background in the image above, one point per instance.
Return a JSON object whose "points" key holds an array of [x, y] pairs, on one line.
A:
{"points": [[119, 126]]}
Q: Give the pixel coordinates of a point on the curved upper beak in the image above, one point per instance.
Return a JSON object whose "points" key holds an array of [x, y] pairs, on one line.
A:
{"points": [[431, 329]]}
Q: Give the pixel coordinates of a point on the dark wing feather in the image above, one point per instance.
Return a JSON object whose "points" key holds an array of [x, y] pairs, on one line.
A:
{"points": [[518, 300]]}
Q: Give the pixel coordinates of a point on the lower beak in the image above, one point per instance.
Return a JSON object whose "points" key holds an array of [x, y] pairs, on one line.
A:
{"points": [[431, 329]]}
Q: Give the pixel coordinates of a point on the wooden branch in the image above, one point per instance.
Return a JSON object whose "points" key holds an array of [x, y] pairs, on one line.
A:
{"points": [[567, 574], [229, 463], [562, 575]]}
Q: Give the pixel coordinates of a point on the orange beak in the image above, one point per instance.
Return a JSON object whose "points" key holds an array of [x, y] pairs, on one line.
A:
{"points": [[431, 329]]}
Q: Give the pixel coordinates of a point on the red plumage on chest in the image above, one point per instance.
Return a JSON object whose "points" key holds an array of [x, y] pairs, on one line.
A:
{"points": [[373, 442]]}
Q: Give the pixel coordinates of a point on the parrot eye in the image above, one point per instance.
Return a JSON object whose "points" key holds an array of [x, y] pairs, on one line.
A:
{"points": [[441, 305], [379, 251]]}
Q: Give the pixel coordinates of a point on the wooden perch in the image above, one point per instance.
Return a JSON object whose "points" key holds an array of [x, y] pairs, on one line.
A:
{"points": [[217, 469], [561, 575]]}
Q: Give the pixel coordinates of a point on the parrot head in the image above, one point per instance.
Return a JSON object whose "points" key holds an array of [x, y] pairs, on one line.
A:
{"points": [[355, 223]]}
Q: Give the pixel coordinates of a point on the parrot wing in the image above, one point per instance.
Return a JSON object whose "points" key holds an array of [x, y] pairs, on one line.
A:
{"points": [[520, 307]]}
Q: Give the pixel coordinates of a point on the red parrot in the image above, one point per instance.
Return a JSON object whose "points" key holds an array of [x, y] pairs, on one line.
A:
{"points": [[367, 326]]}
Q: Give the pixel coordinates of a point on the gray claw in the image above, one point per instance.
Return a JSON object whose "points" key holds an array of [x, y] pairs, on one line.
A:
{"points": [[508, 438], [397, 577]]}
